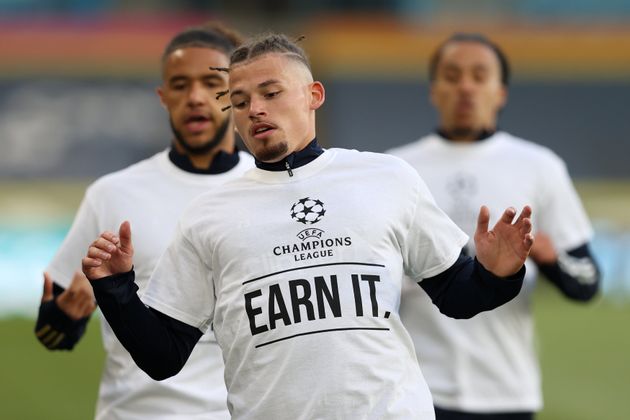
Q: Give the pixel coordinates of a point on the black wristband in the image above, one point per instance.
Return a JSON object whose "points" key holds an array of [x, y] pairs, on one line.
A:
{"points": [[56, 330]]}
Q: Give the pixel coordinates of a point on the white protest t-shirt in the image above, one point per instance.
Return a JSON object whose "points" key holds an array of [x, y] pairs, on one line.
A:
{"points": [[488, 363], [301, 275], [151, 194]]}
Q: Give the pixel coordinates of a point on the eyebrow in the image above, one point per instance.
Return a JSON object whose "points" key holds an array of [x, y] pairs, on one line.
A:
{"points": [[260, 85], [178, 78]]}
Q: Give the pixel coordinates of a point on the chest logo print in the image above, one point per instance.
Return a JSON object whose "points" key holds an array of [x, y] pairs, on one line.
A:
{"points": [[308, 211]]}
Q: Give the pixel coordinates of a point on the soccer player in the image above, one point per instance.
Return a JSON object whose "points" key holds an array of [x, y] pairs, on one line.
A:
{"points": [[152, 194], [298, 264], [486, 367]]}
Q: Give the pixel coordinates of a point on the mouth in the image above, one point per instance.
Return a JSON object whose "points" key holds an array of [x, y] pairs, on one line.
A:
{"points": [[261, 130], [464, 107], [197, 123]]}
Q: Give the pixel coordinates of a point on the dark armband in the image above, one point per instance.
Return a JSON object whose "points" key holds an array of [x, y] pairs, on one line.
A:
{"points": [[575, 273], [56, 330]]}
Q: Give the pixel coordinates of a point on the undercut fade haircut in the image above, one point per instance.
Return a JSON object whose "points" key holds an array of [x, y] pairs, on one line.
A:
{"points": [[267, 44], [210, 35], [471, 37]]}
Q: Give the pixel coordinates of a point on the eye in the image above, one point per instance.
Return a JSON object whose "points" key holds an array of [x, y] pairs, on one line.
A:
{"points": [[178, 86], [272, 95], [480, 76], [451, 76], [240, 105], [214, 84]]}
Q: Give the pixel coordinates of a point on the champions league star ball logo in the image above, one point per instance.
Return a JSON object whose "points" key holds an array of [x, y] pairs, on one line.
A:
{"points": [[307, 211]]}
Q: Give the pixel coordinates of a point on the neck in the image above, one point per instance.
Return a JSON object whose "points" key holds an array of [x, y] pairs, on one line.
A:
{"points": [[204, 160], [465, 136], [295, 159], [221, 160]]}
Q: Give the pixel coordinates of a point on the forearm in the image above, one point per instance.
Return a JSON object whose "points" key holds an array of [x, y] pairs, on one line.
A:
{"points": [[159, 345], [56, 330], [575, 273], [466, 288]]}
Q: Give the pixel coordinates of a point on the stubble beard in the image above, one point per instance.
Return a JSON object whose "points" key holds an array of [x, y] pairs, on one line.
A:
{"points": [[273, 153], [207, 146]]}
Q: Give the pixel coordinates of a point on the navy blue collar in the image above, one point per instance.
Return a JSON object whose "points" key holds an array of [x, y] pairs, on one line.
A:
{"points": [[483, 134], [294, 160], [222, 162]]}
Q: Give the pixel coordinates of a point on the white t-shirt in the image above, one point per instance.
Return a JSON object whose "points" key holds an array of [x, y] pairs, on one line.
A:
{"points": [[488, 363], [151, 194], [301, 275]]}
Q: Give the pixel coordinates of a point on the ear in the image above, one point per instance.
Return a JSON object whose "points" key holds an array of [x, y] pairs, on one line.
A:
{"points": [[318, 95], [432, 95], [503, 96], [160, 92]]}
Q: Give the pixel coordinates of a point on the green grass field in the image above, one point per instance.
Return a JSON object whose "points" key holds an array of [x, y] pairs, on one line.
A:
{"points": [[38, 384], [585, 353]]}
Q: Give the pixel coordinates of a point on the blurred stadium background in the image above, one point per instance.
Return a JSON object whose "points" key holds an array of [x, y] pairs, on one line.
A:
{"points": [[77, 100]]}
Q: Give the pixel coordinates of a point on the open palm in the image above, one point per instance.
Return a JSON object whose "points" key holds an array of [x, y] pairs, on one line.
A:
{"points": [[503, 250]]}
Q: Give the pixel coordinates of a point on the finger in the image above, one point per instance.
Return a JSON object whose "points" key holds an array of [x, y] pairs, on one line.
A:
{"points": [[80, 283], [125, 236], [526, 213], [89, 263], [483, 219], [111, 237], [104, 244], [47, 296], [84, 295], [528, 242], [526, 226], [83, 308], [508, 215], [89, 308], [94, 252]]}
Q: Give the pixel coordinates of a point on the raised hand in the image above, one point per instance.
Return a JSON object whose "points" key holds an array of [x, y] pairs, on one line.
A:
{"points": [[109, 254], [77, 301], [543, 251], [503, 250]]}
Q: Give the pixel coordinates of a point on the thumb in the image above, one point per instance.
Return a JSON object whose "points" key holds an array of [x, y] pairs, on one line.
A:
{"points": [[483, 219], [124, 233], [47, 296]]}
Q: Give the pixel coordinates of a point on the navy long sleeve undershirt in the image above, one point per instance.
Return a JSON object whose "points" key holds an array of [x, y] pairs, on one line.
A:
{"points": [[467, 288], [575, 273], [160, 345]]}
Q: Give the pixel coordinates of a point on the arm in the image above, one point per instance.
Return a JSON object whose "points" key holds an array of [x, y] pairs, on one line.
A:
{"points": [[494, 277], [574, 272], [159, 345], [466, 288], [63, 314]]}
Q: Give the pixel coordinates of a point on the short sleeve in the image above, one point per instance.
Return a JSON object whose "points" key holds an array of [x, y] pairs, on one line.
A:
{"points": [[84, 230], [433, 241], [561, 214], [181, 285]]}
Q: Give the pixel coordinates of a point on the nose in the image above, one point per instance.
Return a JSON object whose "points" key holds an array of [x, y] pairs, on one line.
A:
{"points": [[466, 84], [256, 108], [196, 95]]}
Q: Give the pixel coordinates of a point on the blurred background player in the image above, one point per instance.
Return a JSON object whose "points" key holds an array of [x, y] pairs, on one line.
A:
{"points": [[152, 194], [486, 367]]}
